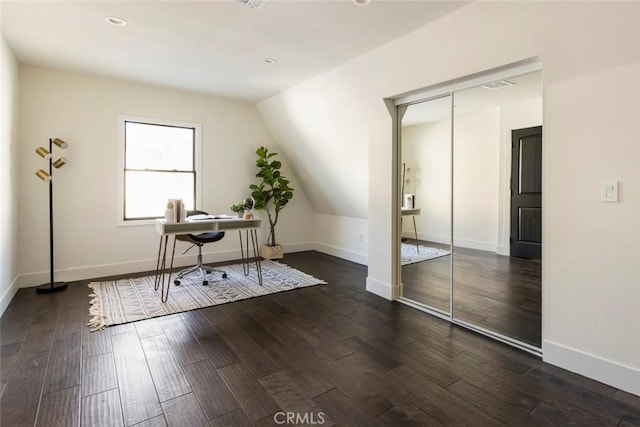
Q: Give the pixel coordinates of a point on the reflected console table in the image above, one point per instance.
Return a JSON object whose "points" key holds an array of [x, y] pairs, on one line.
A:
{"points": [[172, 229]]}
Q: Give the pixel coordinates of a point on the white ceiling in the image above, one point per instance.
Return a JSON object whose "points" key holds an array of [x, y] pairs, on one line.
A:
{"points": [[216, 46]]}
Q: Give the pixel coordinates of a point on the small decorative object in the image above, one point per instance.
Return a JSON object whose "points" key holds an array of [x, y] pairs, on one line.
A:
{"points": [[178, 212], [238, 208], [168, 213], [52, 286], [409, 201], [271, 194], [183, 212], [248, 205]]}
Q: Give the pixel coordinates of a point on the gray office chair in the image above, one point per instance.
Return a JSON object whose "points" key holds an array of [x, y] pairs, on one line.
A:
{"points": [[199, 240]]}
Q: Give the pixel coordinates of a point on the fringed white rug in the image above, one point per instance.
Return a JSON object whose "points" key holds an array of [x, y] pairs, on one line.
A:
{"points": [[411, 254], [128, 300]]}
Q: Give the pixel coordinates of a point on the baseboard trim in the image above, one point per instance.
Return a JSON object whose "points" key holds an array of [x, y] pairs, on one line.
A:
{"points": [[97, 271], [352, 256], [615, 374], [503, 250], [8, 295], [463, 243], [476, 244], [379, 288], [297, 247], [427, 237]]}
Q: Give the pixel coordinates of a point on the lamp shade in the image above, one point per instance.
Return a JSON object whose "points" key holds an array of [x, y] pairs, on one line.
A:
{"points": [[60, 143], [43, 175], [59, 163], [43, 152]]}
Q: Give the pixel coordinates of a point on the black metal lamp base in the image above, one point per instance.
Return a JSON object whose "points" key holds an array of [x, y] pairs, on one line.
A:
{"points": [[50, 288]]}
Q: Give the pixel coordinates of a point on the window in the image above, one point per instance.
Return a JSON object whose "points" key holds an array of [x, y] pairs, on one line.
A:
{"points": [[159, 161]]}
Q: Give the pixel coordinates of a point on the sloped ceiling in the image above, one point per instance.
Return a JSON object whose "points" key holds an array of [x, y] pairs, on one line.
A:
{"points": [[326, 145]]}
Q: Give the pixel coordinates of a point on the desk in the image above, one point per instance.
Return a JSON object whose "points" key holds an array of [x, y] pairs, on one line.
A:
{"points": [[411, 212], [172, 229]]}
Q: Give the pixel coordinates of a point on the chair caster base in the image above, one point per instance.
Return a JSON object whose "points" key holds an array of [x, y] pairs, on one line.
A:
{"points": [[176, 282], [224, 275], [205, 283]]}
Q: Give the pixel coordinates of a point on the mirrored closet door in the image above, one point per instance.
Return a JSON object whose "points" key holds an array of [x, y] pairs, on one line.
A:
{"points": [[471, 162]]}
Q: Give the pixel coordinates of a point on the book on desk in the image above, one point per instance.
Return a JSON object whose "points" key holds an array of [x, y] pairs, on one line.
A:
{"points": [[203, 217]]}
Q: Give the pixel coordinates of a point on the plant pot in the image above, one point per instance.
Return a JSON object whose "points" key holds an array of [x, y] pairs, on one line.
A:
{"points": [[271, 252], [240, 214]]}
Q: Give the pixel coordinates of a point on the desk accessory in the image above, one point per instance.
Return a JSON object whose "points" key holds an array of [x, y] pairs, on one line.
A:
{"points": [[248, 205], [175, 211], [52, 286], [238, 209]]}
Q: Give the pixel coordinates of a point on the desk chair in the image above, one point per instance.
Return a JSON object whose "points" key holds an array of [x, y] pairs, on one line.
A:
{"points": [[199, 240]]}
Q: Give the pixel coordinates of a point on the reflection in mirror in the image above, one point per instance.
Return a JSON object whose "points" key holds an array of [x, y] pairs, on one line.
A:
{"points": [[425, 142], [495, 285]]}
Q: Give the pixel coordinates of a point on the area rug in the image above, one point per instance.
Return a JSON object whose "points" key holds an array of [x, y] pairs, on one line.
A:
{"points": [[411, 255], [128, 300]]}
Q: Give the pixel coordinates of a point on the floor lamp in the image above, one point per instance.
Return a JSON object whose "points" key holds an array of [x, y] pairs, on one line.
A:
{"points": [[52, 286]]}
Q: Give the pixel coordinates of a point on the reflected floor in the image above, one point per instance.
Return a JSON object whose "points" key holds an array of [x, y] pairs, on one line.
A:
{"points": [[495, 292]]}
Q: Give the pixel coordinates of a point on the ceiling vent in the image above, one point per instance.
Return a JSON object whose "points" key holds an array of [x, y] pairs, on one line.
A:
{"points": [[498, 84], [253, 4]]}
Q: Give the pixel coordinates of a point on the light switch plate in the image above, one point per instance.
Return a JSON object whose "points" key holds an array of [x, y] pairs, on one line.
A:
{"points": [[609, 191]]}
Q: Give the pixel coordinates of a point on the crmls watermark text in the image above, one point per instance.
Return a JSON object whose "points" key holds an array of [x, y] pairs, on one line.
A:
{"points": [[299, 418]]}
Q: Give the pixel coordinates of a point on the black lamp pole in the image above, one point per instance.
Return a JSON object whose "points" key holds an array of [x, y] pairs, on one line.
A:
{"points": [[52, 286]]}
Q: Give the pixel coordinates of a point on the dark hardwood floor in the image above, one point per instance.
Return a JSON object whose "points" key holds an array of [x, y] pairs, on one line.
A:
{"points": [[332, 355], [496, 292]]}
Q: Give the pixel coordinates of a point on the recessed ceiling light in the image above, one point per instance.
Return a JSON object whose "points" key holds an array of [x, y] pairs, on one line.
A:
{"points": [[362, 2], [114, 20], [270, 60]]}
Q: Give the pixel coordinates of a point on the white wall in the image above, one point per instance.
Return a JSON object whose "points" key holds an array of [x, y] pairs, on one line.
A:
{"points": [[341, 236], [83, 110], [590, 53], [8, 174], [476, 153], [426, 151]]}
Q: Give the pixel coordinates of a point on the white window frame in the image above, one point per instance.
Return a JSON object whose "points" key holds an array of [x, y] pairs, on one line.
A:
{"points": [[122, 119]]}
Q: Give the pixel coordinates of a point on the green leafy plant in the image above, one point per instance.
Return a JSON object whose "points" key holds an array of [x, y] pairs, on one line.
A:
{"points": [[237, 208], [273, 192]]}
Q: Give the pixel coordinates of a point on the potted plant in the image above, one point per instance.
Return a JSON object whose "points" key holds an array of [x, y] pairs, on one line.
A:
{"points": [[238, 208], [272, 194]]}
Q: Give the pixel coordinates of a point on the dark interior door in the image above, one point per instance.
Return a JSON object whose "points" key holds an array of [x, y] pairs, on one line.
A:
{"points": [[526, 192]]}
